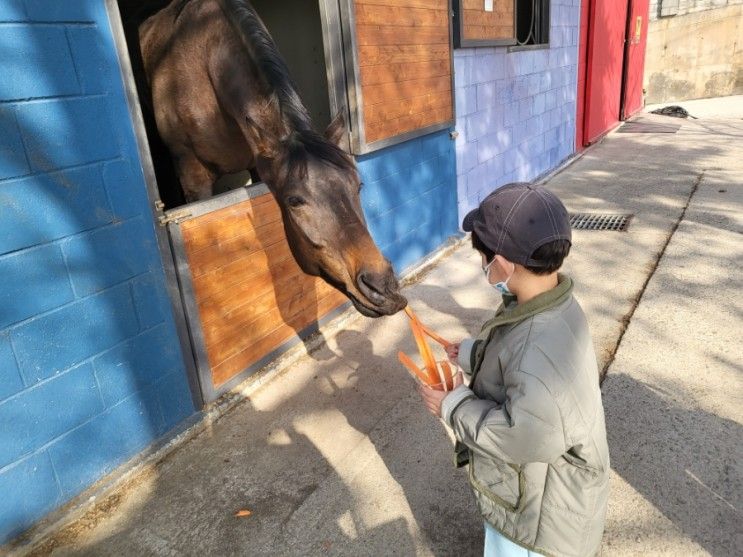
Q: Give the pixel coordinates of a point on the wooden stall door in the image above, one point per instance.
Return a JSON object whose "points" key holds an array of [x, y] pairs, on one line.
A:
{"points": [[245, 296], [404, 60]]}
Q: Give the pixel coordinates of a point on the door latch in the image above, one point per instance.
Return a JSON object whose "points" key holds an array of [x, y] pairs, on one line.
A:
{"points": [[175, 217]]}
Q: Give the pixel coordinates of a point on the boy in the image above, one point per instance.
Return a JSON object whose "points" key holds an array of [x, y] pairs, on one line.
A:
{"points": [[531, 423]]}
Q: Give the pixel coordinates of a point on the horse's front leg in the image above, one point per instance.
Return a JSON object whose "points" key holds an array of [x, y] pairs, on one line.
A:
{"points": [[196, 179]]}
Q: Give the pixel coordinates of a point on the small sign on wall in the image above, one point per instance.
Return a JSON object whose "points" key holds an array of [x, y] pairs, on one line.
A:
{"points": [[638, 29], [488, 5]]}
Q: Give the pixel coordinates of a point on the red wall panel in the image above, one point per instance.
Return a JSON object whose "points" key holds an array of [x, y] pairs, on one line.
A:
{"points": [[582, 59], [637, 35], [606, 32]]}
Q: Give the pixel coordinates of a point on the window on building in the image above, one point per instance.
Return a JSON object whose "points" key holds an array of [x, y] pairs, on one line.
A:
{"points": [[533, 22]]}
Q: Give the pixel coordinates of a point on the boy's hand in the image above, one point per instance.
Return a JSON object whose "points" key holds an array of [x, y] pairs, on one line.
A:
{"points": [[452, 351], [432, 396]]}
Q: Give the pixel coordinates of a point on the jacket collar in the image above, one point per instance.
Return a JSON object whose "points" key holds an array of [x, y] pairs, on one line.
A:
{"points": [[511, 312]]}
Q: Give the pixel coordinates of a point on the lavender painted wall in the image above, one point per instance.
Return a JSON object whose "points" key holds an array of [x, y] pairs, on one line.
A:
{"points": [[516, 110]]}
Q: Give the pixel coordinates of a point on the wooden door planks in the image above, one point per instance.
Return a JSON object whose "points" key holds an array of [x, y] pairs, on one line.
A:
{"points": [[251, 295], [479, 25], [405, 64]]}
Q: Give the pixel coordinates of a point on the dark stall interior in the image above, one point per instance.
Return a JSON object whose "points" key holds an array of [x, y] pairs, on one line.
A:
{"points": [[295, 27]]}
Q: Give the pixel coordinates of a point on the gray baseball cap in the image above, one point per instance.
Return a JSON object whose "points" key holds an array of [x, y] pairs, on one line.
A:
{"points": [[516, 219]]}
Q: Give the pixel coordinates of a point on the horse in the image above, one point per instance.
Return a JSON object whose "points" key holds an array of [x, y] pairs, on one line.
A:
{"points": [[223, 102]]}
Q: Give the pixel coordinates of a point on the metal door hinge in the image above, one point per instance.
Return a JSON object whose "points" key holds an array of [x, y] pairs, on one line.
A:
{"points": [[174, 217], [159, 205]]}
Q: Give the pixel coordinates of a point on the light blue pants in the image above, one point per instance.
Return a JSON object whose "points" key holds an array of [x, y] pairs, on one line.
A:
{"points": [[497, 545]]}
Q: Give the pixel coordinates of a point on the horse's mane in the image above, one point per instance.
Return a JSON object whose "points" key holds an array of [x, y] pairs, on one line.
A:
{"points": [[179, 8], [303, 139]]}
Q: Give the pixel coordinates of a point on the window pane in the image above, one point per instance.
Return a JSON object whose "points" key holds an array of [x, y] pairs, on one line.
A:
{"points": [[524, 21], [533, 21], [544, 22]]}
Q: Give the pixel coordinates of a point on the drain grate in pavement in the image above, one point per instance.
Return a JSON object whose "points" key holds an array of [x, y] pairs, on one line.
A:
{"points": [[593, 221]]}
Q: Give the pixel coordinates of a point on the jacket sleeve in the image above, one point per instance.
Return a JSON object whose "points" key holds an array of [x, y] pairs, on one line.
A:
{"points": [[466, 353], [527, 428]]}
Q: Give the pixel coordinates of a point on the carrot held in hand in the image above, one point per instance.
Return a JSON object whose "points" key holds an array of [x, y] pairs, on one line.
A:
{"points": [[448, 375], [414, 369], [437, 375], [433, 334], [423, 348]]}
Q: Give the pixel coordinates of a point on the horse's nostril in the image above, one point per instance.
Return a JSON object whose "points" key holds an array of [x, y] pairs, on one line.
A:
{"points": [[372, 286]]}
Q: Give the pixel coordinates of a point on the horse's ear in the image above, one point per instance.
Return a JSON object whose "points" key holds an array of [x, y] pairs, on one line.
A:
{"points": [[336, 130]]}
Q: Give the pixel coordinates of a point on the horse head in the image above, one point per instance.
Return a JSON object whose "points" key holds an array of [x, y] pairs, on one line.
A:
{"points": [[317, 187]]}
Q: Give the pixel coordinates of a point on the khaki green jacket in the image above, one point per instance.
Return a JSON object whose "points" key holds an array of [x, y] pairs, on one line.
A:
{"points": [[532, 425]]}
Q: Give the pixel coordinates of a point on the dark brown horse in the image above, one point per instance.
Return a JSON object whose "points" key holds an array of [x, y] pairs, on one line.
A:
{"points": [[224, 102]]}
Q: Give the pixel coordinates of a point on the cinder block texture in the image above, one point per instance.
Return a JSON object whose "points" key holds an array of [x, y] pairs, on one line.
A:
{"points": [[35, 270], [12, 157], [12, 10], [10, 375], [515, 109], [50, 206], [32, 486], [409, 197], [36, 63], [90, 367], [46, 411]]}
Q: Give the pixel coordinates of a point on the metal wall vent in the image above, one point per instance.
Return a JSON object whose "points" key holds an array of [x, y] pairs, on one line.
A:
{"points": [[593, 221]]}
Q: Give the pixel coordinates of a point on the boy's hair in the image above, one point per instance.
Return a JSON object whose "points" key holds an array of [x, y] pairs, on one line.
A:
{"points": [[482, 248], [551, 254]]}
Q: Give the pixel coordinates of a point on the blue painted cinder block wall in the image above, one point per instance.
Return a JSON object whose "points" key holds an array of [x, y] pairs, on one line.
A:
{"points": [[516, 110], [90, 368], [409, 197], [90, 365]]}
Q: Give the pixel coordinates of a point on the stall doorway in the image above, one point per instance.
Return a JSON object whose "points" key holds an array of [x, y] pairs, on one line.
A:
{"points": [[295, 26], [244, 299]]}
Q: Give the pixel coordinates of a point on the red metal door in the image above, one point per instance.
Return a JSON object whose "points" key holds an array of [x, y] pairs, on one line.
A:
{"points": [[605, 63], [582, 59], [634, 62]]}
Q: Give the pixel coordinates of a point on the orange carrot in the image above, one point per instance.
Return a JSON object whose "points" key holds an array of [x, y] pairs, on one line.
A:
{"points": [[425, 351], [435, 336], [437, 375], [408, 363], [442, 378], [448, 375]]}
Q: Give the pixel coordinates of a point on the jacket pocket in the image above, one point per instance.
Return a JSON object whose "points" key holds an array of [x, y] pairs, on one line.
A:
{"points": [[572, 486], [500, 482], [579, 463]]}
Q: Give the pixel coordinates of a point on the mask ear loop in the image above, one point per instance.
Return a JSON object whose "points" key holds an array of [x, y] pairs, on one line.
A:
{"points": [[513, 271], [486, 269]]}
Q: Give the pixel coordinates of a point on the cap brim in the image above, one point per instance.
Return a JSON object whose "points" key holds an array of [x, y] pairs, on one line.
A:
{"points": [[468, 224]]}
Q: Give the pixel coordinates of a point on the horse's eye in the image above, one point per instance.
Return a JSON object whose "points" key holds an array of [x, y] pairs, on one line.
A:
{"points": [[294, 201]]}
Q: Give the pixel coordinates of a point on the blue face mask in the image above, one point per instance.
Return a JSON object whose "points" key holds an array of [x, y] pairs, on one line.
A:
{"points": [[501, 286]]}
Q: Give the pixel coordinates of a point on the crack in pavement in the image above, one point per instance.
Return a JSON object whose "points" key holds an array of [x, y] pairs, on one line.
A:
{"points": [[627, 319]]}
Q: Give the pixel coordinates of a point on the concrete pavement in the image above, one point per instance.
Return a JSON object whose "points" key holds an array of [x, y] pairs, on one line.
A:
{"points": [[336, 455]]}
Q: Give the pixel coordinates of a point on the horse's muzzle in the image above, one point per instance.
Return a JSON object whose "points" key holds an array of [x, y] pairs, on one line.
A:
{"points": [[381, 292]]}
